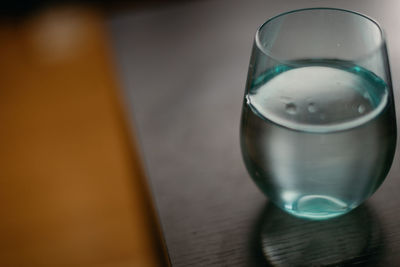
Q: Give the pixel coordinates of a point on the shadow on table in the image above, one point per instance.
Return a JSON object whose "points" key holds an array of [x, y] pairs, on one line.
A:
{"points": [[280, 239]]}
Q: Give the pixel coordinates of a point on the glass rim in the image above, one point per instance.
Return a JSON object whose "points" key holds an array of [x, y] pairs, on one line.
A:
{"points": [[382, 42]]}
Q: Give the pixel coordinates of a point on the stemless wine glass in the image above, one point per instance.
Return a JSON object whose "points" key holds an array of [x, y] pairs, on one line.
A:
{"points": [[318, 126]]}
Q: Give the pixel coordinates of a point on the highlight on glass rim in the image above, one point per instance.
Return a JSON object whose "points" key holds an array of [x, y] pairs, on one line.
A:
{"points": [[318, 124]]}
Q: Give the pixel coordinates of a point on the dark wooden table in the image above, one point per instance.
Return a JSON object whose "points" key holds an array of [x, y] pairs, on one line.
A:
{"points": [[183, 69]]}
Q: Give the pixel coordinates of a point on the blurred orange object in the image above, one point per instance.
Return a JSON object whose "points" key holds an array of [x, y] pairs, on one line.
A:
{"points": [[72, 188]]}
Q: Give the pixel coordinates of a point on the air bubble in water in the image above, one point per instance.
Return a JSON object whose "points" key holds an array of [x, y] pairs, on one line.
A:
{"points": [[291, 108], [361, 109], [312, 108]]}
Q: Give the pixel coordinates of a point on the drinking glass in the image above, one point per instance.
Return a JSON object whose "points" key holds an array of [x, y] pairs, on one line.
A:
{"points": [[318, 126]]}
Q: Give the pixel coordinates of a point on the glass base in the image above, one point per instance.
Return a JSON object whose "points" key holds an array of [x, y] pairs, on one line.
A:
{"points": [[354, 238], [318, 207]]}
